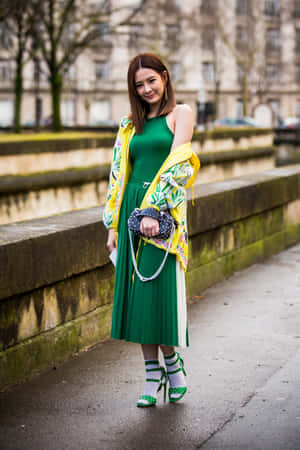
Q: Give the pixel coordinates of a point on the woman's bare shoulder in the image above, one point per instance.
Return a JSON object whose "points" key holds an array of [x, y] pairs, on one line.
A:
{"points": [[182, 109], [183, 113]]}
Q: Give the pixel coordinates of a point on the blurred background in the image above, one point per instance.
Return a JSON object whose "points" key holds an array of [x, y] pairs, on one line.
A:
{"points": [[63, 63]]}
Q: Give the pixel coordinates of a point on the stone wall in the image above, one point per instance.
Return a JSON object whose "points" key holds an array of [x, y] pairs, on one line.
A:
{"points": [[38, 179], [56, 281]]}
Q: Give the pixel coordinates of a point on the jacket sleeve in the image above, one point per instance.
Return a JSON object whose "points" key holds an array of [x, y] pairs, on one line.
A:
{"points": [[170, 190], [109, 209]]}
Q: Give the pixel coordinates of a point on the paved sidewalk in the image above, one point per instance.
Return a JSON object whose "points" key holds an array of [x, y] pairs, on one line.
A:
{"points": [[243, 370]]}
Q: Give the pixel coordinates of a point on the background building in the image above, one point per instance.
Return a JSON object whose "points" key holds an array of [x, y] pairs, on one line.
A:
{"points": [[203, 43]]}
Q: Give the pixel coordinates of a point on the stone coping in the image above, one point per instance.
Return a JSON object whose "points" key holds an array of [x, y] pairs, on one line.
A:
{"points": [[40, 252], [218, 157], [54, 178], [80, 175], [55, 145], [108, 139]]}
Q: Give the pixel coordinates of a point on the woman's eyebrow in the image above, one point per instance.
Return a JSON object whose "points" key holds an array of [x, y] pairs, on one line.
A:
{"points": [[139, 81]]}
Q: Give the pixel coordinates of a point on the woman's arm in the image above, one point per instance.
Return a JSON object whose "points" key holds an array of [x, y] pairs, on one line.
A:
{"points": [[184, 125], [108, 213]]}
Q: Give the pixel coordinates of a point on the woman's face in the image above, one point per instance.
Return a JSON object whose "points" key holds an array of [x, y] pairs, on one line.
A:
{"points": [[149, 85]]}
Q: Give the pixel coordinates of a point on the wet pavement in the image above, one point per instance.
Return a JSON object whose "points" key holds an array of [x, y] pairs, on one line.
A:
{"points": [[243, 375]]}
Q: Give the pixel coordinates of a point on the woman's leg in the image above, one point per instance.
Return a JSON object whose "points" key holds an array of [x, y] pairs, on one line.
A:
{"points": [[167, 350], [175, 373], [150, 351], [153, 373]]}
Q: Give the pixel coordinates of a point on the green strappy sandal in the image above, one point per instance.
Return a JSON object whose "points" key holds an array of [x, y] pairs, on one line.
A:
{"points": [[151, 401], [176, 390]]}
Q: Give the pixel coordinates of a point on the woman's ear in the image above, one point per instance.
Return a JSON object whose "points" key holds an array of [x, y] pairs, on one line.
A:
{"points": [[165, 76]]}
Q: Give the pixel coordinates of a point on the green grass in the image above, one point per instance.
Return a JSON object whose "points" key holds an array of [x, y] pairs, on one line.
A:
{"points": [[11, 137]]}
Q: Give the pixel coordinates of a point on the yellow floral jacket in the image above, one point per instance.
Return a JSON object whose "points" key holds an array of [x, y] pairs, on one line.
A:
{"points": [[167, 190]]}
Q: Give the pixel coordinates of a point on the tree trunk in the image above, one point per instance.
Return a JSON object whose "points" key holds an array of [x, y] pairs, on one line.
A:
{"points": [[56, 89], [18, 88], [245, 94]]}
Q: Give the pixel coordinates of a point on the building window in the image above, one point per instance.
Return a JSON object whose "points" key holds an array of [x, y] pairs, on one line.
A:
{"points": [[6, 41], [105, 5], [6, 112], [297, 73], [273, 41], [208, 7], [68, 34], [102, 70], [241, 7], [239, 108], [40, 70], [102, 32], [135, 35], [100, 111], [275, 105], [208, 38], [173, 31], [5, 70], [208, 71], [272, 7], [298, 109], [175, 71], [296, 8], [272, 73], [240, 74], [70, 73], [297, 43], [172, 6], [67, 110], [241, 38]]}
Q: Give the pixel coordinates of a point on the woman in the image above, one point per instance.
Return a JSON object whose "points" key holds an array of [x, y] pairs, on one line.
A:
{"points": [[152, 165]]}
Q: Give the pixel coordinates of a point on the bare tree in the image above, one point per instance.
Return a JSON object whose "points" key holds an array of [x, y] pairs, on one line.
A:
{"points": [[246, 43], [16, 17], [64, 29]]}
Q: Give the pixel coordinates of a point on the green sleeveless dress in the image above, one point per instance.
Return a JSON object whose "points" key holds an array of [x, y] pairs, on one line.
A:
{"points": [[145, 313]]}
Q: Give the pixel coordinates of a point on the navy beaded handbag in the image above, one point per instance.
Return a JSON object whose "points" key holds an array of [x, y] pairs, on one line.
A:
{"points": [[167, 227]]}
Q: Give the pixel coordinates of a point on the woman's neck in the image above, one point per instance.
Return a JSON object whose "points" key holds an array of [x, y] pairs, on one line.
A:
{"points": [[153, 112]]}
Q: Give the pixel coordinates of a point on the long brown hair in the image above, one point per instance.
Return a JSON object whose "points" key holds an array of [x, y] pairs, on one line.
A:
{"points": [[140, 108]]}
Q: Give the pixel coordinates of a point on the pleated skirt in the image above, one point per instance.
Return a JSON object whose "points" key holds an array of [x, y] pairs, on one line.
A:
{"points": [[152, 312]]}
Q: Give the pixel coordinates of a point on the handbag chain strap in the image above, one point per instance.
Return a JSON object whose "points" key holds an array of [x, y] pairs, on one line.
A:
{"points": [[155, 275]]}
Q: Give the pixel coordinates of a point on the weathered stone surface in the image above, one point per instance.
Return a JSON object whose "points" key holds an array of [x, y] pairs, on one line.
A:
{"points": [[27, 315], [56, 282], [210, 245], [35, 204], [203, 276], [227, 201], [43, 251], [47, 349]]}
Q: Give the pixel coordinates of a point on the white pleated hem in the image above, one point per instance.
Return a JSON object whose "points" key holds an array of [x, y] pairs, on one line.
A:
{"points": [[181, 305]]}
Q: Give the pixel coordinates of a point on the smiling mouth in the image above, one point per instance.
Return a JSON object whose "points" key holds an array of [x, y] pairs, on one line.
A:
{"points": [[149, 96]]}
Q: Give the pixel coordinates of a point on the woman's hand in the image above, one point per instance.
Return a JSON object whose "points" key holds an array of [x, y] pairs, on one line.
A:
{"points": [[111, 240], [149, 226]]}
